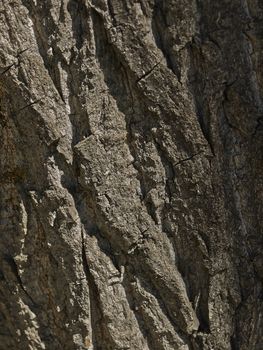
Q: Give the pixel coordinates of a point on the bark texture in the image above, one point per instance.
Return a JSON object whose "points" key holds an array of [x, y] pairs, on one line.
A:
{"points": [[131, 174]]}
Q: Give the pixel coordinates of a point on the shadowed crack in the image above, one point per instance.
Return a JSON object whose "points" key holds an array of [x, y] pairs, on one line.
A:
{"points": [[144, 76], [11, 262], [188, 158]]}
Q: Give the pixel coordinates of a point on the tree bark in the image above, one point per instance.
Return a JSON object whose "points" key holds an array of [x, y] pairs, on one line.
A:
{"points": [[131, 174]]}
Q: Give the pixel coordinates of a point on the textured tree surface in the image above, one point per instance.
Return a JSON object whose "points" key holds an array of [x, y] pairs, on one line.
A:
{"points": [[131, 174]]}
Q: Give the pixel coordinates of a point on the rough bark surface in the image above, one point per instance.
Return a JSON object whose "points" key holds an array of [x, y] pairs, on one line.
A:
{"points": [[131, 174]]}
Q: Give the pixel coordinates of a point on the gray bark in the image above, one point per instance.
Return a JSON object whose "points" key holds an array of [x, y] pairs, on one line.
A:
{"points": [[131, 174]]}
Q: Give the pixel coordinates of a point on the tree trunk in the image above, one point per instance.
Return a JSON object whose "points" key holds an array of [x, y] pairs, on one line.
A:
{"points": [[131, 174]]}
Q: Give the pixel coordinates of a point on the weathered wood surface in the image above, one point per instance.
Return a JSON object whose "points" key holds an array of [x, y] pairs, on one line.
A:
{"points": [[131, 174]]}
